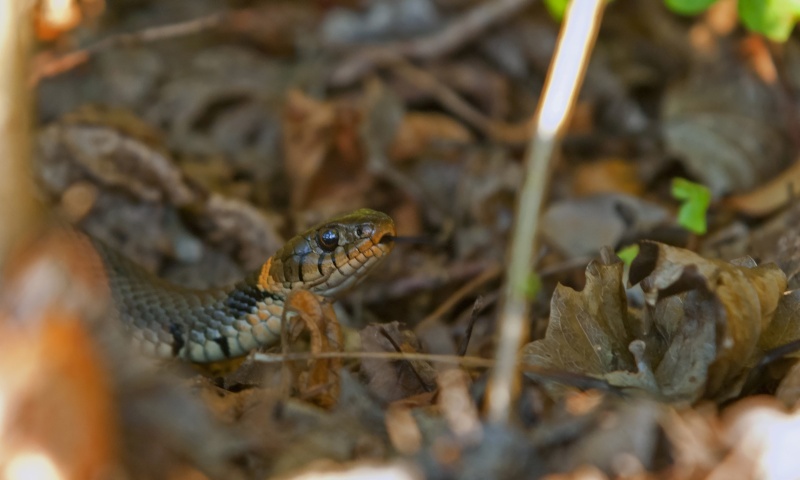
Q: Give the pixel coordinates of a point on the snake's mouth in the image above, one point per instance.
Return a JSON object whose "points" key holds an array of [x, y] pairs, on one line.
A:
{"points": [[384, 235]]}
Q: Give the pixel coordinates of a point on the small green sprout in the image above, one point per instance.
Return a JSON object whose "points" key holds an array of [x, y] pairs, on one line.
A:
{"points": [[775, 19], [695, 199], [627, 254]]}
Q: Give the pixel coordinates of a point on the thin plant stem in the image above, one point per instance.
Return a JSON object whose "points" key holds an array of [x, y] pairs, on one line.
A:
{"points": [[564, 78]]}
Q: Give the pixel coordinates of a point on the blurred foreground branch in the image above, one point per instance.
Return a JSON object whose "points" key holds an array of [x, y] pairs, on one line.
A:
{"points": [[18, 208]]}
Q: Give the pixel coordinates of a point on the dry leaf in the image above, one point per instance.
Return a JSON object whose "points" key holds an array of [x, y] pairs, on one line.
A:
{"points": [[116, 150], [306, 140], [770, 196], [611, 175], [589, 331], [700, 335], [583, 226], [739, 301], [392, 380], [788, 391], [418, 132], [324, 159], [703, 123]]}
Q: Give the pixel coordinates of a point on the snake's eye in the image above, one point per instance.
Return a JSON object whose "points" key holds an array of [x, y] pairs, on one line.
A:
{"points": [[328, 239]]}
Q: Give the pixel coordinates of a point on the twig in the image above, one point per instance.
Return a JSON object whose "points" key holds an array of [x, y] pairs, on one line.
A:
{"points": [[18, 208], [458, 33], [412, 284], [578, 32], [476, 309], [73, 59], [568, 378], [450, 100], [492, 272], [398, 348]]}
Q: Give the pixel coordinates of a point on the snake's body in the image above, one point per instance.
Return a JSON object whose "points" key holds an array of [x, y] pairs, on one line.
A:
{"points": [[213, 325]]}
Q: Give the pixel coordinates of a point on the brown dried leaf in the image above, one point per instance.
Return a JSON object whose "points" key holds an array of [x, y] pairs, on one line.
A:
{"points": [[700, 335], [324, 158], [770, 196], [589, 331], [306, 140], [703, 121], [609, 175], [419, 131], [392, 380], [785, 325], [739, 301]]}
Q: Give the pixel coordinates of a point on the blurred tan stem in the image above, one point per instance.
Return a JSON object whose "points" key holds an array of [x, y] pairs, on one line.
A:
{"points": [[18, 208], [575, 42]]}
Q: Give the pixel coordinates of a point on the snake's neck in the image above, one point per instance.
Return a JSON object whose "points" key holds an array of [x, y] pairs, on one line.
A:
{"points": [[166, 320]]}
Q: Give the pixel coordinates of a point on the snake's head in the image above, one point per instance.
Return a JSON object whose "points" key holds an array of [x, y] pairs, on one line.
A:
{"points": [[333, 256]]}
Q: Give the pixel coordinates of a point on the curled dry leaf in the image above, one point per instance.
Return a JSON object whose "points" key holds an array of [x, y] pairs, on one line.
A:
{"points": [[740, 300], [589, 331], [706, 324], [703, 123]]}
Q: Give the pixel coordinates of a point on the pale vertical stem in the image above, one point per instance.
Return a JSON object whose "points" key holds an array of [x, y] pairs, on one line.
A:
{"points": [[19, 211], [575, 42]]}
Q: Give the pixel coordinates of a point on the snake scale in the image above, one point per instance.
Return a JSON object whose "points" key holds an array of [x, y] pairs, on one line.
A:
{"points": [[204, 326]]}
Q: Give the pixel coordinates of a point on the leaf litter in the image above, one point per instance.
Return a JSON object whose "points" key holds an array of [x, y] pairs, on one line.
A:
{"points": [[197, 155]]}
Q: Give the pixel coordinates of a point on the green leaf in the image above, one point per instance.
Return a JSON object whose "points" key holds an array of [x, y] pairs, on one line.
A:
{"points": [[557, 8], [695, 201], [773, 18], [627, 254], [688, 7]]}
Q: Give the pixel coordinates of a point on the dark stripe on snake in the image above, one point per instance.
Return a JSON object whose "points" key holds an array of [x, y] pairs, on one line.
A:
{"points": [[223, 344], [177, 338]]}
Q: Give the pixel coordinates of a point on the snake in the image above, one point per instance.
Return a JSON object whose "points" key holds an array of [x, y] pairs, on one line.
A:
{"points": [[204, 326]]}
